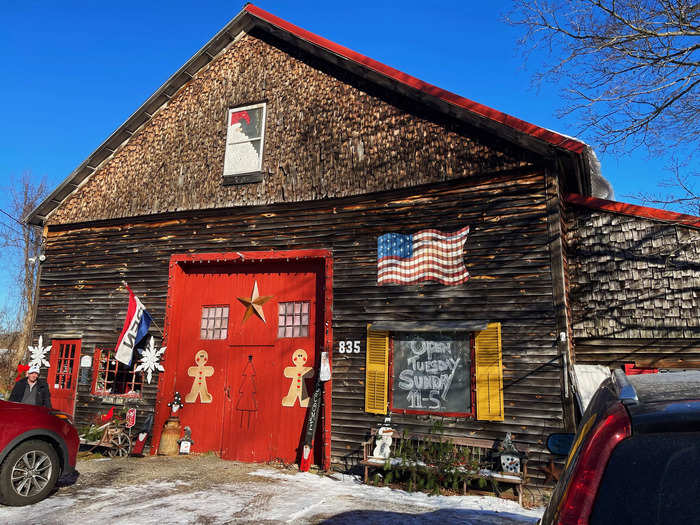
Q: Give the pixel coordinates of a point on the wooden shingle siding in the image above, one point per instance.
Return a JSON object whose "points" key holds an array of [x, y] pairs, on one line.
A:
{"points": [[328, 134], [507, 255], [633, 278], [645, 353]]}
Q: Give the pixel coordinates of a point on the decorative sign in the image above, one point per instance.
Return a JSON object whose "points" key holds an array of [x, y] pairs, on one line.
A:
{"points": [[130, 418], [185, 447], [85, 375], [431, 373], [348, 347]]}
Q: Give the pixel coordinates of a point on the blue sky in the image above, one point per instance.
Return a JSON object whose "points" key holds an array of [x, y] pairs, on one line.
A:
{"points": [[75, 71]]}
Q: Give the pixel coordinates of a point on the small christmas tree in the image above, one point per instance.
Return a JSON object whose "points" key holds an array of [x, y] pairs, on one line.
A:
{"points": [[247, 403]]}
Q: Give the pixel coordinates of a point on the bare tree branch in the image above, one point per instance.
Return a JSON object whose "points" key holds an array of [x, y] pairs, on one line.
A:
{"points": [[632, 67], [681, 190], [23, 245]]}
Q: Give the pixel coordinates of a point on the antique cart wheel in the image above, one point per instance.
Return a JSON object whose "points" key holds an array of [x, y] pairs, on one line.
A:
{"points": [[120, 445]]}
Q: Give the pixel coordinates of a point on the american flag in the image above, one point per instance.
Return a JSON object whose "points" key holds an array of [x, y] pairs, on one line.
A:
{"points": [[429, 255]]}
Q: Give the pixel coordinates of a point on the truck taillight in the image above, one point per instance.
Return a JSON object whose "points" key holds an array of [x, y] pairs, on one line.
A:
{"points": [[580, 494]]}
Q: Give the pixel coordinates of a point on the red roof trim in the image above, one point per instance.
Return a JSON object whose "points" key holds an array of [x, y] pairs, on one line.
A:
{"points": [[520, 125], [634, 210]]}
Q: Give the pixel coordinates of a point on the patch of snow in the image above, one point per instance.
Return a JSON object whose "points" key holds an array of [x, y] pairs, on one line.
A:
{"points": [[279, 497], [345, 492]]}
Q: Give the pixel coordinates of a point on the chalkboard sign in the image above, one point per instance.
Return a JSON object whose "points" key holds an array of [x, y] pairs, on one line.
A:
{"points": [[431, 373]]}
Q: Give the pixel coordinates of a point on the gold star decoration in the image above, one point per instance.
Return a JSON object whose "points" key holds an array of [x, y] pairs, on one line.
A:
{"points": [[253, 304]]}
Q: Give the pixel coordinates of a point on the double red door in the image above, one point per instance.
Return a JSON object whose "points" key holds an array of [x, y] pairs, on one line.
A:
{"points": [[246, 339]]}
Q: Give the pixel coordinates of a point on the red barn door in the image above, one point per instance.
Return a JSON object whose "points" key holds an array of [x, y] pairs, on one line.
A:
{"points": [[247, 344], [63, 373]]}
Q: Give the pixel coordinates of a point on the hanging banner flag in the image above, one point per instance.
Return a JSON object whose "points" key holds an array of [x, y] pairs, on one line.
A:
{"points": [[429, 255], [136, 325]]}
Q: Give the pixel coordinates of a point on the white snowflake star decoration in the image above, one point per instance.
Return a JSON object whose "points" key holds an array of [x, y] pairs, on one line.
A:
{"points": [[38, 354], [150, 360]]}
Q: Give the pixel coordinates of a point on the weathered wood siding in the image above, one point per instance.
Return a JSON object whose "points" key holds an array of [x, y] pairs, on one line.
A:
{"points": [[507, 255], [328, 134], [635, 287]]}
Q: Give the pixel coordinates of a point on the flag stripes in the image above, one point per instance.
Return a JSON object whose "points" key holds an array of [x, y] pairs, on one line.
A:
{"points": [[426, 255]]}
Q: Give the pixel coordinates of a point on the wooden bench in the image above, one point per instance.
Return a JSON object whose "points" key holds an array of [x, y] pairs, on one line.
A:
{"points": [[479, 450]]}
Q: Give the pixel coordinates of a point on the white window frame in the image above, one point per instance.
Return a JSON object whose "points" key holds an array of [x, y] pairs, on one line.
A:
{"points": [[262, 105]]}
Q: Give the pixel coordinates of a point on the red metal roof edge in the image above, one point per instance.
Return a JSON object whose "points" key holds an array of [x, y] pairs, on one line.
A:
{"points": [[634, 210], [545, 135]]}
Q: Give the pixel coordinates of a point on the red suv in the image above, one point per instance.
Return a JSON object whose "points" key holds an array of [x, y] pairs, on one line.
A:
{"points": [[636, 456], [37, 447]]}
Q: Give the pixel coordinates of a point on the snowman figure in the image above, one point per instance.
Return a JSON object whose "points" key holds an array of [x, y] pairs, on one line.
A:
{"points": [[382, 447]]}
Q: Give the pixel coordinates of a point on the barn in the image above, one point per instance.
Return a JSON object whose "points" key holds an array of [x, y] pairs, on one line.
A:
{"points": [[304, 203]]}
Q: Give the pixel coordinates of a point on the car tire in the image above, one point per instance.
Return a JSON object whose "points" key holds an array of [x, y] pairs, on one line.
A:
{"points": [[29, 473]]}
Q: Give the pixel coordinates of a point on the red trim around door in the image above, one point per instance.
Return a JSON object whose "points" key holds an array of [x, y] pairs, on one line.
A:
{"points": [[177, 274]]}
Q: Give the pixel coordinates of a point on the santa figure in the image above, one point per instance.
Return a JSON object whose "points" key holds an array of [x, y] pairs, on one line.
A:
{"points": [[241, 142]]}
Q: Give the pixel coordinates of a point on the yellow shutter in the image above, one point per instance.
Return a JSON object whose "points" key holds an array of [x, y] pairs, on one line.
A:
{"points": [[377, 372], [489, 374]]}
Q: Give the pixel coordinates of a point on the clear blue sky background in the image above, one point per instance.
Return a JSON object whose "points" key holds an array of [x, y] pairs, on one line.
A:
{"points": [[74, 71]]}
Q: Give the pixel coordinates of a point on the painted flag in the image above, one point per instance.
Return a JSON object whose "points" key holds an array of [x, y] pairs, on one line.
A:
{"points": [[429, 255], [136, 325]]}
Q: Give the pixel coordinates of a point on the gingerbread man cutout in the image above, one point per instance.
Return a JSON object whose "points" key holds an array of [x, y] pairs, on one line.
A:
{"points": [[200, 374], [297, 373]]}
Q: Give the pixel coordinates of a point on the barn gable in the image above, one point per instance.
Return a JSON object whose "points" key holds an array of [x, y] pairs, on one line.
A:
{"points": [[346, 117]]}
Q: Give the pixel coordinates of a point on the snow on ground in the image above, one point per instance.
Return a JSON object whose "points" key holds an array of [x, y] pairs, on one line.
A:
{"points": [[266, 496], [351, 501]]}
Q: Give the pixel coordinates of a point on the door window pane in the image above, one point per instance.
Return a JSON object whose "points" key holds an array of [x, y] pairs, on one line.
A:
{"points": [[293, 319], [214, 322]]}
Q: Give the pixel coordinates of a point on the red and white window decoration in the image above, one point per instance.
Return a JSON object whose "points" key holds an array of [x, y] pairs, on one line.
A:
{"points": [[293, 319], [113, 377], [244, 140], [214, 322]]}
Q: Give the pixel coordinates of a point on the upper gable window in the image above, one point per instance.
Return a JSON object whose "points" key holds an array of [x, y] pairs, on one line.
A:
{"points": [[244, 144]]}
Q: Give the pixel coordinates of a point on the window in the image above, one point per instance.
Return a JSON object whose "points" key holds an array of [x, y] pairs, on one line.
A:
{"points": [[293, 320], [214, 322], [244, 144], [432, 373], [113, 377], [650, 473]]}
